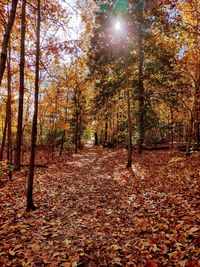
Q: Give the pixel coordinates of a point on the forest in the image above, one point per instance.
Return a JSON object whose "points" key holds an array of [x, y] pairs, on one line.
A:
{"points": [[99, 133]]}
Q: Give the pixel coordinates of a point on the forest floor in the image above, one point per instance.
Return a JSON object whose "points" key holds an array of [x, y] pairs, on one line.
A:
{"points": [[92, 211]]}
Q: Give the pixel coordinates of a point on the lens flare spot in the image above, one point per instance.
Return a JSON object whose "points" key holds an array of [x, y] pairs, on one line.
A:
{"points": [[118, 25]]}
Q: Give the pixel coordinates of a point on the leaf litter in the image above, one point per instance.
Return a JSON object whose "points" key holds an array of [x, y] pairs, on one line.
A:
{"points": [[92, 211]]}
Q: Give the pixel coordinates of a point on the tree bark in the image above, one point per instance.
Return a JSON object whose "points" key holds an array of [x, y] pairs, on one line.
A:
{"points": [[80, 130], [198, 134], [76, 127], [189, 136], [9, 137], [96, 143], [172, 125], [106, 133], [64, 132], [129, 162], [140, 85], [62, 143], [30, 204], [6, 38], [21, 91], [194, 114], [3, 142]]}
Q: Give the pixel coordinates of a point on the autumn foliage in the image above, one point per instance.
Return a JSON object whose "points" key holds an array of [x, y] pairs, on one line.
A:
{"points": [[99, 133]]}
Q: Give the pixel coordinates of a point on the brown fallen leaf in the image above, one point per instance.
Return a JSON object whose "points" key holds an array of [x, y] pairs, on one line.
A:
{"points": [[56, 254], [35, 248], [151, 263], [18, 247]]}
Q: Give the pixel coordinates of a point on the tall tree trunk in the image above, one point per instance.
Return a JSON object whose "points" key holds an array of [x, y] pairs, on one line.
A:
{"points": [[96, 143], [76, 102], [140, 84], [6, 38], [106, 133], [41, 134], [198, 134], [62, 143], [76, 118], [194, 112], [9, 137], [3, 142], [53, 136], [50, 136], [76, 131], [118, 127], [63, 134], [30, 204], [21, 90], [80, 130], [54, 123], [172, 125], [129, 161], [189, 135]]}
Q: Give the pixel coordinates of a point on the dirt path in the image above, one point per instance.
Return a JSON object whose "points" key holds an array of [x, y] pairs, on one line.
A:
{"points": [[94, 212]]}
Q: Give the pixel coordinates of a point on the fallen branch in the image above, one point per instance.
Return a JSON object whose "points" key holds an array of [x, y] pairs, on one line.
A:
{"points": [[36, 165]]}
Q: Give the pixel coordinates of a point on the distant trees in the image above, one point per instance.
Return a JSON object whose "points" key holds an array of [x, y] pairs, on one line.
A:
{"points": [[190, 62], [156, 69], [49, 49]]}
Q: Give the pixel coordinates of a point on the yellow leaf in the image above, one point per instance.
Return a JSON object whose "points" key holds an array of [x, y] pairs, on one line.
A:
{"points": [[193, 230], [11, 252], [74, 264], [9, 263], [116, 247], [67, 126], [67, 241]]}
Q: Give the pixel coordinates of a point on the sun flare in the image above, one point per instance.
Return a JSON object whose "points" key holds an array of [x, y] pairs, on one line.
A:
{"points": [[118, 25]]}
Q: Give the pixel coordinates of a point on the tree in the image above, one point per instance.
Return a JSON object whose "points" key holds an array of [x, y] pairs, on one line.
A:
{"points": [[6, 38], [141, 111], [30, 204], [8, 112], [190, 61], [3, 142], [21, 90]]}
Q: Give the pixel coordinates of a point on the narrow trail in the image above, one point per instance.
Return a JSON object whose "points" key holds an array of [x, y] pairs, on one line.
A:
{"points": [[94, 212]]}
